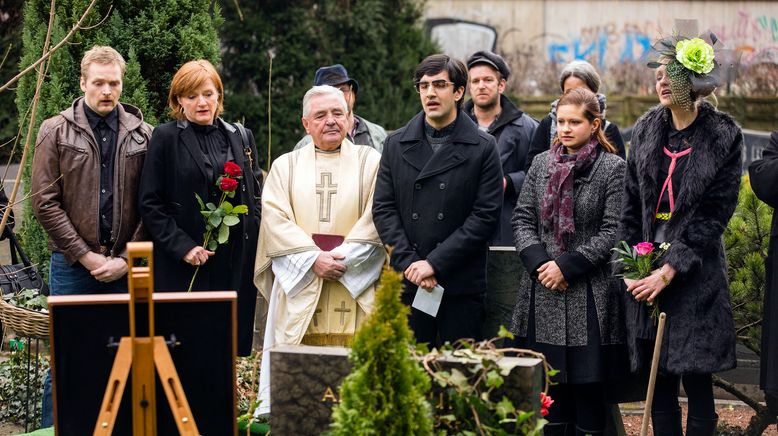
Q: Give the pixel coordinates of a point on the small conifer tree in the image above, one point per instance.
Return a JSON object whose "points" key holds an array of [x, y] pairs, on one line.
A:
{"points": [[746, 240], [386, 392]]}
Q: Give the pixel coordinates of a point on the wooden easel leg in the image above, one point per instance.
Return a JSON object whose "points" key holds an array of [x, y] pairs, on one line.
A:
{"points": [[144, 387], [173, 389], [115, 389]]}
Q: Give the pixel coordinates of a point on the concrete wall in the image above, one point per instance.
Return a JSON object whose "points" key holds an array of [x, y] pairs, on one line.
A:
{"points": [[607, 33]]}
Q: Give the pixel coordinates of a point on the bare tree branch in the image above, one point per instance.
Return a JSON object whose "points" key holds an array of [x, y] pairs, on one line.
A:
{"points": [[7, 52], [732, 389], [46, 52], [748, 326], [31, 123]]}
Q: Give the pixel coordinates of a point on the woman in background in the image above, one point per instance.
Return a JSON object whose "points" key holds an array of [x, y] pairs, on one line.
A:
{"points": [[577, 74]]}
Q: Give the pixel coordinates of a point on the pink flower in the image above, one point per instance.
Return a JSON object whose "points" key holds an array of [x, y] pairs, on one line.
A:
{"points": [[545, 402], [644, 248]]}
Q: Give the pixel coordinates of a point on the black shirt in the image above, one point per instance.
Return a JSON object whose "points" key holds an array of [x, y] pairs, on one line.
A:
{"points": [[105, 130], [214, 146], [677, 141]]}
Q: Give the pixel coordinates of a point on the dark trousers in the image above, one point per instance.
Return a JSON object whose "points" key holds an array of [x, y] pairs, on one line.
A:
{"points": [[579, 404], [65, 279], [699, 391], [459, 316]]}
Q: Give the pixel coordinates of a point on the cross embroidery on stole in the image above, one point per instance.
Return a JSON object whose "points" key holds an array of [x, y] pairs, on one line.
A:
{"points": [[325, 191]]}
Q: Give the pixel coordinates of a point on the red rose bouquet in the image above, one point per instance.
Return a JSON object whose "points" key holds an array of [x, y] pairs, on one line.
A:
{"points": [[219, 219]]}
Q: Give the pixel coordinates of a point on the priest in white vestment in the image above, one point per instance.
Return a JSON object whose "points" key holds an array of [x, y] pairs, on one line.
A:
{"points": [[319, 256]]}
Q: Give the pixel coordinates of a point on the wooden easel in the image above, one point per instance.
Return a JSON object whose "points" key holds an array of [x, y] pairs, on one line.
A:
{"points": [[142, 354]]}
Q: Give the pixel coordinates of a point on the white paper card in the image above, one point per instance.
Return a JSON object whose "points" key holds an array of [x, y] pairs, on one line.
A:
{"points": [[428, 300]]}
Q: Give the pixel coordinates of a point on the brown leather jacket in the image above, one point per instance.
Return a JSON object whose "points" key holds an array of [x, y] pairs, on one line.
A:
{"points": [[66, 181]]}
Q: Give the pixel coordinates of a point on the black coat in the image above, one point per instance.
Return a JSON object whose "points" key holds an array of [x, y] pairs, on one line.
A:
{"points": [[513, 131], [764, 179], [173, 172], [441, 207], [699, 332], [541, 140]]}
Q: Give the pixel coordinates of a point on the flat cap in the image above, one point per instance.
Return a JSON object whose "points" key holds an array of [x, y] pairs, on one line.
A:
{"points": [[492, 59], [334, 75]]}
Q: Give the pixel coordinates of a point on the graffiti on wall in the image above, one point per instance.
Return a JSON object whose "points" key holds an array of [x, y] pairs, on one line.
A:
{"points": [[602, 44], [609, 44], [756, 36]]}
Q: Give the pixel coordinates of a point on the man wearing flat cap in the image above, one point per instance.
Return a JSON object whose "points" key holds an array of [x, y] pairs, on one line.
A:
{"points": [[512, 128], [360, 130]]}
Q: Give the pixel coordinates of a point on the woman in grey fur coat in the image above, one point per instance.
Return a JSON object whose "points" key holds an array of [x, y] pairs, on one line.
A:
{"points": [[565, 224], [681, 187]]}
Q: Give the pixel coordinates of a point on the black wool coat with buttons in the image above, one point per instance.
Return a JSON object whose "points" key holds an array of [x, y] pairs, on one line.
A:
{"points": [[173, 172], [443, 206]]}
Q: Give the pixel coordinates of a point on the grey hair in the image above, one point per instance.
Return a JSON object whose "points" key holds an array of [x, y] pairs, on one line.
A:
{"points": [[582, 70], [322, 90]]}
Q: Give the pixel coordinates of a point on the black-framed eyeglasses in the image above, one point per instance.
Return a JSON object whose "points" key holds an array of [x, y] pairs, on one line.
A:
{"points": [[436, 84]]}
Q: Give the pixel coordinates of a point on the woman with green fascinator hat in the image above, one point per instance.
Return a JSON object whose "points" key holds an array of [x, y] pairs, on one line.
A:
{"points": [[681, 188]]}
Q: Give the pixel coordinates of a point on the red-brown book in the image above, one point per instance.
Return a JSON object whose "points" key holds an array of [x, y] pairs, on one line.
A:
{"points": [[327, 242]]}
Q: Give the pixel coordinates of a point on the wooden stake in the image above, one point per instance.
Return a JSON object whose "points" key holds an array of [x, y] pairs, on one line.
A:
{"points": [[652, 377]]}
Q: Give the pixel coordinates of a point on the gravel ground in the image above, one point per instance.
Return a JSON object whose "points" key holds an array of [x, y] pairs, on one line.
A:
{"points": [[732, 414]]}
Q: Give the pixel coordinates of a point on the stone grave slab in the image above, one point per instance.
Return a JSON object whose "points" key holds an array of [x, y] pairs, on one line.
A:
{"points": [[305, 386], [503, 271]]}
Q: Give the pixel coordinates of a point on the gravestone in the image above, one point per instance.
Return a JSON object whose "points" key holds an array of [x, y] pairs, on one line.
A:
{"points": [[306, 381], [503, 271]]}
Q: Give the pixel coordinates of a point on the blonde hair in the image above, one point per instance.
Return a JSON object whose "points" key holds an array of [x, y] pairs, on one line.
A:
{"points": [[101, 54], [188, 78]]}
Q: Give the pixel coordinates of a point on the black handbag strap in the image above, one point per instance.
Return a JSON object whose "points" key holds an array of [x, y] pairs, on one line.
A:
{"points": [[16, 248], [249, 154]]}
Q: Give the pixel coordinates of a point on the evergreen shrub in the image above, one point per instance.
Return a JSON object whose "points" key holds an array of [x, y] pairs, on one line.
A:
{"points": [[386, 392]]}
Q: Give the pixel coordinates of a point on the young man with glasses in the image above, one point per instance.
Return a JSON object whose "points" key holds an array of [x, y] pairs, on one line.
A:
{"points": [[360, 131], [437, 202]]}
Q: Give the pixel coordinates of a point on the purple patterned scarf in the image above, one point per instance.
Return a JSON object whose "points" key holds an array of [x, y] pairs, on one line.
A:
{"points": [[556, 207]]}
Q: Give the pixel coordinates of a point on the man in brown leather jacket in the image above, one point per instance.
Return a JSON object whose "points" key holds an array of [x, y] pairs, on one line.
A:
{"points": [[85, 177]]}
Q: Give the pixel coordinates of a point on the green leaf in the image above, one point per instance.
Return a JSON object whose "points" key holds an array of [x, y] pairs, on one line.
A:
{"points": [[210, 206], [215, 220], [213, 245], [239, 209], [504, 333], [494, 379], [459, 380], [200, 201], [231, 220], [224, 234], [226, 206], [505, 408]]}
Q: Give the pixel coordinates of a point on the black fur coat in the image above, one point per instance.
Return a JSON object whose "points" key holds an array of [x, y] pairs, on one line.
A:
{"points": [[699, 332]]}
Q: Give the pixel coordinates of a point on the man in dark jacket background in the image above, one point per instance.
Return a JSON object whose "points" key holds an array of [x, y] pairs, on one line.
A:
{"points": [[85, 178], [764, 176], [512, 129], [437, 202]]}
